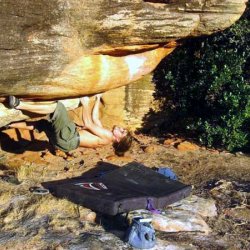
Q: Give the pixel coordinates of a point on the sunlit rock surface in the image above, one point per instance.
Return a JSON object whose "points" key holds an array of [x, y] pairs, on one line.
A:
{"points": [[125, 106], [128, 105], [195, 204], [70, 48]]}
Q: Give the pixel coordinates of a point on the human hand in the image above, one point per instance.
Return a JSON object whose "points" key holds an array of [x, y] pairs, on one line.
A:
{"points": [[98, 96], [85, 101], [99, 99]]}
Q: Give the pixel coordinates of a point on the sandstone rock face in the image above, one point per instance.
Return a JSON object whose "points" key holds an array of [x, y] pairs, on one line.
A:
{"points": [[69, 48], [47, 47], [127, 105]]}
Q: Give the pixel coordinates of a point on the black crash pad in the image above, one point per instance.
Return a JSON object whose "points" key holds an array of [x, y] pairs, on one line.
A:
{"points": [[122, 190]]}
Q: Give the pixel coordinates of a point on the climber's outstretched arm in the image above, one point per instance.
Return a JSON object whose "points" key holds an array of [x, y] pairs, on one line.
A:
{"points": [[96, 111]]}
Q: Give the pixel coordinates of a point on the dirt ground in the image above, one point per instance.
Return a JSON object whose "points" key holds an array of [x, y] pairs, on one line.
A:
{"points": [[24, 165]]}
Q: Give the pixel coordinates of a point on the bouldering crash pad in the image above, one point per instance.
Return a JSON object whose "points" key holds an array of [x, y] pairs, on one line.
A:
{"points": [[122, 190]]}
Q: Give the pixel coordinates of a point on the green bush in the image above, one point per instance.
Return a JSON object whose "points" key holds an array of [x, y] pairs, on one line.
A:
{"points": [[205, 88]]}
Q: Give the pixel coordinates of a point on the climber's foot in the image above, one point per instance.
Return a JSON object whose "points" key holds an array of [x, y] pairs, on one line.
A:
{"points": [[13, 101]]}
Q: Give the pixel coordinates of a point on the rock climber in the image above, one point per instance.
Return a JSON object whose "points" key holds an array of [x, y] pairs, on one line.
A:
{"points": [[63, 132]]}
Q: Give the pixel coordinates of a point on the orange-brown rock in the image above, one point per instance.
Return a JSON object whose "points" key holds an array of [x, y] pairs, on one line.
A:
{"points": [[172, 141], [187, 146]]}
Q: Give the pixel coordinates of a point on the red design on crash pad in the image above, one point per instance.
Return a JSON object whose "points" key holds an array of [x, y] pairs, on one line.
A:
{"points": [[92, 185]]}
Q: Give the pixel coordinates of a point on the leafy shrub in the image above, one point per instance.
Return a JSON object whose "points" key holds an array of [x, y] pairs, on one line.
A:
{"points": [[205, 88]]}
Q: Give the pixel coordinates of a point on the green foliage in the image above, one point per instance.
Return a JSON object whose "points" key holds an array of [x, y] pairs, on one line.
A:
{"points": [[205, 85]]}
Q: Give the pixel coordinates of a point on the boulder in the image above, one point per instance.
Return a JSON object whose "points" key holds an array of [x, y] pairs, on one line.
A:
{"points": [[60, 49], [195, 204], [187, 146], [174, 220]]}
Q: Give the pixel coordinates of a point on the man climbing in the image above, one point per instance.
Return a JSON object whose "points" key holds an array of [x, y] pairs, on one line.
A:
{"points": [[63, 132]]}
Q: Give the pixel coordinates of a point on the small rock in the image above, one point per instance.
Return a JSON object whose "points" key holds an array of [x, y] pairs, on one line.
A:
{"points": [[68, 158], [222, 188], [90, 217], [239, 153], [187, 146], [60, 153], [10, 178], [87, 215], [172, 141]]}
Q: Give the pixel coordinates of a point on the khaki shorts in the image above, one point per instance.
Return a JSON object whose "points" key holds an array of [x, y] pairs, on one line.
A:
{"points": [[64, 134]]}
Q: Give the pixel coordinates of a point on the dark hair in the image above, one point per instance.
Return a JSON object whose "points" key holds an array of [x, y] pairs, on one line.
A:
{"points": [[123, 145]]}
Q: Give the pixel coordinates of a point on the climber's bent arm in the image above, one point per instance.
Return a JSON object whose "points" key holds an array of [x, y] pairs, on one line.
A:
{"points": [[104, 134], [95, 111]]}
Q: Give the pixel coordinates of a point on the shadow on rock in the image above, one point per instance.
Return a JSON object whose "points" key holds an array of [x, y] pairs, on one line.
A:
{"points": [[18, 141]]}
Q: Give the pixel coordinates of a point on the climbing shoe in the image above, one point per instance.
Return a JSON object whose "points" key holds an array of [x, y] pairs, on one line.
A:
{"points": [[13, 101]]}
